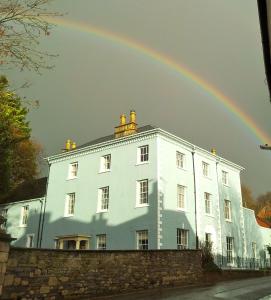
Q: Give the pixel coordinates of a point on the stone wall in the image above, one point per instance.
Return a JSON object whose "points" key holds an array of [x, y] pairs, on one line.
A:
{"points": [[54, 274]]}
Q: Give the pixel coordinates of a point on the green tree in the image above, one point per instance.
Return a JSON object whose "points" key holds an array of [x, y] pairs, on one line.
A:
{"points": [[22, 25], [17, 151]]}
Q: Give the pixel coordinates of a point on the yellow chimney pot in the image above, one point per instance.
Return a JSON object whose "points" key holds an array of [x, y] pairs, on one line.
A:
{"points": [[73, 145], [213, 151], [122, 119], [132, 116], [68, 145]]}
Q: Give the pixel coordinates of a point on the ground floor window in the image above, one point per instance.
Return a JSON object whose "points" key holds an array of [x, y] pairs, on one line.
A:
{"points": [[30, 240], [142, 240], [182, 238], [72, 242], [229, 242], [101, 241]]}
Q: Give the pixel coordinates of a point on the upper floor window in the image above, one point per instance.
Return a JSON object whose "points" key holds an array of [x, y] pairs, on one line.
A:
{"points": [[103, 198], [101, 241], [205, 169], [70, 204], [225, 177], [179, 159], [142, 192], [227, 209], [180, 196], [24, 215], [182, 238], [143, 154], [207, 200], [105, 163], [142, 240], [73, 170]]}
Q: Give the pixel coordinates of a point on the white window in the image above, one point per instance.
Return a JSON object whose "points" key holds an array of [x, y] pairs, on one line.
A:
{"points": [[208, 203], [254, 250], [225, 179], [73, 170], [142, 192], [181, 196], [182, 238], [208, 238], [103, 198], [105, 163], [70, 204], [205, 169], [24, 215], [227, 209], [4, 213], [179, 160], [30, 240], [229, 242], [101, 241], [142, 240], [143, 154]]}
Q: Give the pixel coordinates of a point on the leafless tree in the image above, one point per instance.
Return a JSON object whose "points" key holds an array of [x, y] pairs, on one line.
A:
{"points": [[22, 25]]}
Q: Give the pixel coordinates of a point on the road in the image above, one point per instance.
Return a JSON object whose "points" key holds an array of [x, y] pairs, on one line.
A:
{"points": [[248, 289]]}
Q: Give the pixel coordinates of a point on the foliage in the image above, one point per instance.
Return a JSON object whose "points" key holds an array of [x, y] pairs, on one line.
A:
{"points": [[17, 151], [268, 247], [264, 201], [247, 198], [22, 24], [208, 263]]}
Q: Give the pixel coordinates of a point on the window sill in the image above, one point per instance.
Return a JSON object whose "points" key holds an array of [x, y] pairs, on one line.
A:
{"points": [[142, 163], [68, 216], [71, 178], [207, 177], [101, 211], [22, 225], [228, 220], [141, 205], [183, 169], [225, 185], [209, 215], [104, 171], [182, 209]]}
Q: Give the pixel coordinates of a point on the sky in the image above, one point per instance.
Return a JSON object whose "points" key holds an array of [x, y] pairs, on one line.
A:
{"points": [[110, 68]]}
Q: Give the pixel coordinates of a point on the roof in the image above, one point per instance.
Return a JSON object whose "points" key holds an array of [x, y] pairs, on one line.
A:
{"points": [[264, 16], [27, 190], [112, 137]]}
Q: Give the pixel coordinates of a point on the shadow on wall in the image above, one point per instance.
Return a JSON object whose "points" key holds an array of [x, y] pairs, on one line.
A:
{"points": [[161, 225]]}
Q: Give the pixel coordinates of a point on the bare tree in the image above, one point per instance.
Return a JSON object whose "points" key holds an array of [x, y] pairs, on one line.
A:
{"points": [[22, 24]]}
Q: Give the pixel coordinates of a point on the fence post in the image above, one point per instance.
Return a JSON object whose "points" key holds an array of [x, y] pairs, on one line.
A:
{"points": [[5, 240]]}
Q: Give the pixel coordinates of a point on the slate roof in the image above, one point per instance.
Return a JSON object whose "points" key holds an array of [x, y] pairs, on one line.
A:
{"points": [[27, 190], [112, 137]]}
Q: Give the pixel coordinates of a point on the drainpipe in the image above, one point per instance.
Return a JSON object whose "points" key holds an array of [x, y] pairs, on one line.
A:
{"points": [[195, 196], [41, 206], [44, 207]]}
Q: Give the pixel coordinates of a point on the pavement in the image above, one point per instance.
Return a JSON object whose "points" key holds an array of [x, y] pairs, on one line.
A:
{"points": [[248, 289]]}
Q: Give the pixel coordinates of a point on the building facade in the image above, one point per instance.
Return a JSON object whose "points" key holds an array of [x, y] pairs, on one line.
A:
{"points": [[144, 188]]}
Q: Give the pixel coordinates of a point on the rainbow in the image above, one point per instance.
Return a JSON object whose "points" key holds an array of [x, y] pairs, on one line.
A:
{"points": [[228, 103]]}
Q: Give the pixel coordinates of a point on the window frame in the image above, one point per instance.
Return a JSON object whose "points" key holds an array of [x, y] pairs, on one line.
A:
{"points": [[139, 193], [30, 242], [180, 160], [182, 238], [227, 210], [24, 215], [99, 239], [105, 163], [70, 173], [103, 191], [143, 158], [179, 186], [229, 250], [205, 169], [70, 197], [225, 177], [142, 242], [208, 203]]}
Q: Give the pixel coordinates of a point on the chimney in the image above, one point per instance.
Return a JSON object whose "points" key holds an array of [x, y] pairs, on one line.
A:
{"points": [[68, 145], [126, 128], [73, 145]]}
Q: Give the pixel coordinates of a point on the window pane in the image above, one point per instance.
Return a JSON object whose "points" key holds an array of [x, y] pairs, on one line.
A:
{"points": [[143, 192], [101, 242], [182, 238], [180, 196], [144, 153], [179, 159], [142, 240]]}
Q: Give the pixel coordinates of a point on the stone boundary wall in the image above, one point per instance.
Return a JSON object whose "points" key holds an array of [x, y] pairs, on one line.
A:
{"points": [[64, 274]]}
